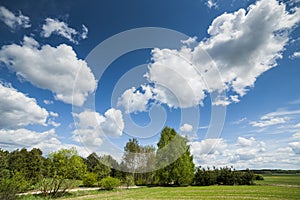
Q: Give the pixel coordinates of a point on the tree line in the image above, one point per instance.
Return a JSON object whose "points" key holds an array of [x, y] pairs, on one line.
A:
{"points": [[54, 174]]}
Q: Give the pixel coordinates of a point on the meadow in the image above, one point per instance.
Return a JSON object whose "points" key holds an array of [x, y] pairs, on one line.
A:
{"points": [[273, 187]]}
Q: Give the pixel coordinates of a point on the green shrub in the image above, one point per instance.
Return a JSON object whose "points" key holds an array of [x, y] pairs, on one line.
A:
{"points": [[89, 179], [110, 183], [10, 187], [55, 187], [141, 181], [129, 181], [259, 177]]}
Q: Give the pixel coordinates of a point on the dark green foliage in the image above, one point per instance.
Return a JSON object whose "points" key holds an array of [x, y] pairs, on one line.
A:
{"points": [[98, 166], [89, 179], [110, 183], [10, 187], [259, 177], [29, 163], [245, 178], [223, 176]]}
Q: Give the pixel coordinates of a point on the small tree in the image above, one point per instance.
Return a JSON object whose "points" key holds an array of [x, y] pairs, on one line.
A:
{"points": [[66, 167]]}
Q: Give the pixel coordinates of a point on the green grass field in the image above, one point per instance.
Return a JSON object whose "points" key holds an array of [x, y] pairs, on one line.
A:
{"points": [[280, 180], [274, 187], [210, 192]]}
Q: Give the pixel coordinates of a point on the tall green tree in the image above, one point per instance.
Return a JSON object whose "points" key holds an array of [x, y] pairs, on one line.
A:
{"points": [[35, 165], [174, 159]]}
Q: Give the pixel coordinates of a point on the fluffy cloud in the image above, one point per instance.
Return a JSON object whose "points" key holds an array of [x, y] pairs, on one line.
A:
{"points": [[244, 153], [19, 110], [93, 127], [186, 128], [208, 146], [54, 26], [295, 55], [52, 68], [242, 54], [12, 20], [134, 100], [20, 138], [177, 82], [244, 142], [47, 141], [181, 78], [189, 41]]}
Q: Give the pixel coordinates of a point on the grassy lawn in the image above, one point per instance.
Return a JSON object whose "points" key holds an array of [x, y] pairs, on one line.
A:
{"points": [[273, 187], [210, 192], [280, 180]]}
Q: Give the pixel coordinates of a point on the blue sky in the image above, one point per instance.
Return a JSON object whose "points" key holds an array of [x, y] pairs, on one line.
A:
{"points": [[226, 74]]}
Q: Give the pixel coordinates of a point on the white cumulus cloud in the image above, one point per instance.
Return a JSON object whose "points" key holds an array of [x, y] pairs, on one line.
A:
{"points": [[177, 82], [244, 142], [54, 26], [208, 146], [243, 54], [47, 141], [295, 55], [134, 100], [52, 68], [186, 128], [12, 20], [243, 45], [19, 110], [20, 138], [244, 153], [91, 126]]}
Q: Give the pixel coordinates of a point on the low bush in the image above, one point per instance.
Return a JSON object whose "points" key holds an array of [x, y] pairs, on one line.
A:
{"points": [[259, 177], [129, 181], [110, 183], [10, 187], [89, 179]]}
